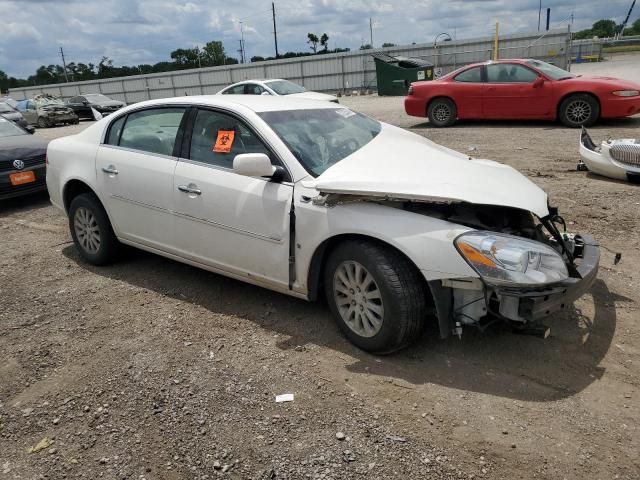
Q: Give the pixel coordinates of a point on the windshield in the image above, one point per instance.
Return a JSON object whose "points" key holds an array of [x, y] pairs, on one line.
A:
{"points": [[551, 71], [9, 129], [42, 101], [285, 87], [96, 97], [6, 108], [322, 137]]}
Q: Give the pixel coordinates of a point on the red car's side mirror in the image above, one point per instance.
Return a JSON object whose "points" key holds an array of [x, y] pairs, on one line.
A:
{"points": [[538, 82]]}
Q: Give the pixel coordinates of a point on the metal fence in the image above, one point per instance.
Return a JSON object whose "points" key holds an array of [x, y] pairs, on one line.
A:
{"points": [[331, 72]]}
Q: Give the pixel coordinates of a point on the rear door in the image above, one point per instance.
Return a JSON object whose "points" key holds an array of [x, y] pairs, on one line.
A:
{"points": [[468, 92], [135, 169], [510, 92]]}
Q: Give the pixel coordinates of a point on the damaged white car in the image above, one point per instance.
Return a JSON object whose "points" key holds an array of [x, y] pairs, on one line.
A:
{"points": [[618, 159], [312, 199]]}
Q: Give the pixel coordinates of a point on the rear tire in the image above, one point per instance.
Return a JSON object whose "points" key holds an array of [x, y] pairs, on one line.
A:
{"points": [[376, 295], [91, 230], [442, 112], [579, 110]]}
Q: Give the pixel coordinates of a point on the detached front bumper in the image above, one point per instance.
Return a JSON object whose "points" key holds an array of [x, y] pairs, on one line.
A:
{"points": [[529, 305]]}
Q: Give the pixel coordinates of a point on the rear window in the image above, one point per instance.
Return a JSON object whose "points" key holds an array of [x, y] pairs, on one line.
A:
{"points": [[472, 75], [152, 131]]}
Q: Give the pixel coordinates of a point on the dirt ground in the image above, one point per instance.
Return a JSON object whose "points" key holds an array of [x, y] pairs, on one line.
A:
{"points": [[151, 369]]}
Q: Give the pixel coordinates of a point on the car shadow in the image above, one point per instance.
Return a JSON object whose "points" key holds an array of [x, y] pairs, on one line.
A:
{"points": [[26, 202], [628, 122], [495, 362]]}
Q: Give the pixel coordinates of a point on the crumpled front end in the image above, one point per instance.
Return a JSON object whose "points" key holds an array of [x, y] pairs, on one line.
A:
{"points": [[511, 293], [618, 159]]}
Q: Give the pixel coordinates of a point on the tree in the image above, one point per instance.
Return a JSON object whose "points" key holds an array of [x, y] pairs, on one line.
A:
{"points": [[324, 42], [604, 28], [384, 45], [366, 46], [257, 58], [213, 54], [4, 82], [185, 57], [313, 42]]}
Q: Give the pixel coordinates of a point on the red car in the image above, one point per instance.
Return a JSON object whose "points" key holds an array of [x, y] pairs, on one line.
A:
{"points": [[521, 89]]}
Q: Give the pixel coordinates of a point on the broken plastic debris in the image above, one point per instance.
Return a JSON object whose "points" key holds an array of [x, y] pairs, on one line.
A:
{"points": [[41, 445], [285, 397]]}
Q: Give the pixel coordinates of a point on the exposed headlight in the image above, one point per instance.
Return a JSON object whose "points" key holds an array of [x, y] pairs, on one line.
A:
{"points": [[626, 93], [504, 259]]}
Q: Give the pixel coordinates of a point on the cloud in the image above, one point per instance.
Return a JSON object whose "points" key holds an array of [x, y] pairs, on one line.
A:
{"points": [[146, 31]]}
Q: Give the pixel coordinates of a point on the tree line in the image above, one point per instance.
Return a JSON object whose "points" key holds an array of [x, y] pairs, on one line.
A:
{"points": [[608, 28]]}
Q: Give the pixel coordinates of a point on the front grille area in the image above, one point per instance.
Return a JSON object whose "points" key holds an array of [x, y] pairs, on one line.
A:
{"points": [[7, 165], [6, 189], [628, 154]]}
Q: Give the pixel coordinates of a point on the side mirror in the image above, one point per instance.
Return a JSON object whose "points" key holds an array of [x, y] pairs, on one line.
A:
{"points": [[265, 93], [538, 82], [253, 165]]}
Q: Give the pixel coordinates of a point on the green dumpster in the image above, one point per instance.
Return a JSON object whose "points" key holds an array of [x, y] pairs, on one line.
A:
{"points": [[395, 74]]}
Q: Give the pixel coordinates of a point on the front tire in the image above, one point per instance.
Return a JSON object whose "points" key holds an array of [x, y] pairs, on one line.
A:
{"points": [[579, 110], [442, 112], [376, 295], [91, 230], [43, 122]]}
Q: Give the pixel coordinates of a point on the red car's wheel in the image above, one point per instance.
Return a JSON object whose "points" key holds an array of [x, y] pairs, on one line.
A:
{"points": [[442, 112], [579, 110]]}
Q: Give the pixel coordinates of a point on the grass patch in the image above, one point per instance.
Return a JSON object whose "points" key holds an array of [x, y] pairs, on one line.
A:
{"points": [[621, 48]]}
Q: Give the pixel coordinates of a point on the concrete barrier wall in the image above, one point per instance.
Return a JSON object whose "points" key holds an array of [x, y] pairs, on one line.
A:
{"points": [[330, 73]]}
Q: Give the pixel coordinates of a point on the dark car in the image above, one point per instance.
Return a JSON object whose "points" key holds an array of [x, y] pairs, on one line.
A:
{"points": [[10, 113], [83, 104], [22, 161]]}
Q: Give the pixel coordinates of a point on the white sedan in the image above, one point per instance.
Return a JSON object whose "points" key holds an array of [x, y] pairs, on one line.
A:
{"points": [[309, 198], [277, 87]]}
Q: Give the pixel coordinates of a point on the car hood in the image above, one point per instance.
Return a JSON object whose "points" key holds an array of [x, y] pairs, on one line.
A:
{"points": [[610, 82], [21, 146], [313, 96], [402, 165]]}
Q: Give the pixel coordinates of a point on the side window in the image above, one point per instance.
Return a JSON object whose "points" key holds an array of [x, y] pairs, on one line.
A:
{"points": [[114, 131], [211, 128], [509, 73], [473, 75], [153, 130], [73, 100], [253, 89], [237, 90]]}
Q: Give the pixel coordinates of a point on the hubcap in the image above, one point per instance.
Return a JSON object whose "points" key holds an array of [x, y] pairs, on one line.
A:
{"points": [[578, 111], [87, 230], [441, 113], [358, 299]]}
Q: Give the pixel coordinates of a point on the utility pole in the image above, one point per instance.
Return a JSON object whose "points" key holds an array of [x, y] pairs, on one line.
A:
{"points": [[64, 65], [241, 43], [198, 51], [275, 32], [539, 13], [371, 31]]}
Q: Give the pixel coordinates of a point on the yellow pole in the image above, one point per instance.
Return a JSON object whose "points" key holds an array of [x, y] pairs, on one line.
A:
{"points": [[495, 42]]}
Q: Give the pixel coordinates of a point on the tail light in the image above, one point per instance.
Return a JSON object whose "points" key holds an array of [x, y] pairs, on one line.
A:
{"points": [[410, 92]]}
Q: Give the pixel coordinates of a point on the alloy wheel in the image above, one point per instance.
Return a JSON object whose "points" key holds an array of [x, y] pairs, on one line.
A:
{"points": [[578, 111], [442, 113], [87, 230], [358, 299]]}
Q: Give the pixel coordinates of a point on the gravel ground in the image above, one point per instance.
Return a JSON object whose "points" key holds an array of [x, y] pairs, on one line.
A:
{"points": [[152, 369]]}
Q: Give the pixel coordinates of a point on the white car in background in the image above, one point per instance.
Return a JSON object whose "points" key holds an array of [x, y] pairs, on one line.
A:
{"points": [[277, 87], [309, 198]]}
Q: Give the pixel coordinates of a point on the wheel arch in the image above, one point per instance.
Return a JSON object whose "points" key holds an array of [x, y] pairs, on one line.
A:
{"points": [[578, 92]]}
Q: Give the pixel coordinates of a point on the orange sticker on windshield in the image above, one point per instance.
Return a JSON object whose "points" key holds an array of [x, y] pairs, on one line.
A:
{"points": [[224, 142]]}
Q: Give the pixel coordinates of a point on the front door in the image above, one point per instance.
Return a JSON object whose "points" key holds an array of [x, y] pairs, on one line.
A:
{"points": [[229, 221], [135, 170], [510, 92]]}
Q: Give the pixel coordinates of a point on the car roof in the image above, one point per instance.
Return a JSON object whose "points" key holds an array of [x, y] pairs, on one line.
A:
{"points": [[256, 103]]}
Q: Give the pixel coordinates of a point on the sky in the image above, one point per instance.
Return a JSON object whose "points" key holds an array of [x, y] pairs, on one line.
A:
{"points": [[133, 32]]}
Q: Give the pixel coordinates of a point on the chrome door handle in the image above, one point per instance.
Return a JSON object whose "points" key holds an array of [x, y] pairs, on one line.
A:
{"points": [[110, 170], [191, 188]]}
